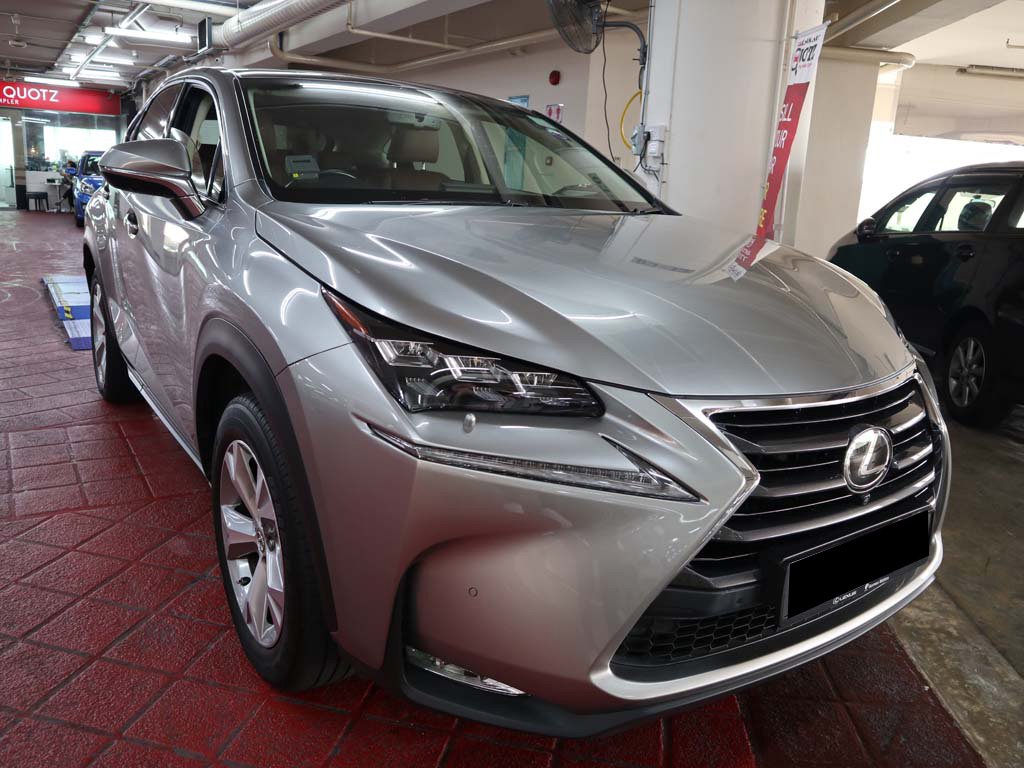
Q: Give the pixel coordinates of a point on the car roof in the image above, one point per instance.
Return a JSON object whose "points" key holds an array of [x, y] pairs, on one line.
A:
{"points": [[344, 77], [1008, 167]]}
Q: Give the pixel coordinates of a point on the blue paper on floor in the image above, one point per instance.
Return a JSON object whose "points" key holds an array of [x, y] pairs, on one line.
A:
{"points": [[70, 297]]}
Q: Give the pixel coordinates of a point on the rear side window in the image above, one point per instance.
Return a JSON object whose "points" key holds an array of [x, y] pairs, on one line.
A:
{"points": [[154, 123], [905, 214], [1015, 221], [969, 207]]}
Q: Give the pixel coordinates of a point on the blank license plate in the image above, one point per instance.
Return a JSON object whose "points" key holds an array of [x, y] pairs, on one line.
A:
{"points": [[840, 574]]}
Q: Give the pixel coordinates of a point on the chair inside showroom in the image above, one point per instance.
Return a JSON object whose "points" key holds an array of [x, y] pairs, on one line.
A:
{"points": [[975, 216]]}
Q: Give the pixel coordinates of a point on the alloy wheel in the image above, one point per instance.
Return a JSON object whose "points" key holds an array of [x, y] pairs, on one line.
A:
{"points": [[252, 544], [966, 372], [99, 334]]}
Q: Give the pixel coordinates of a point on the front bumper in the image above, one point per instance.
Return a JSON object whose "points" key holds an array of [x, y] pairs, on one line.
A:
{"points": [[530, 583]]}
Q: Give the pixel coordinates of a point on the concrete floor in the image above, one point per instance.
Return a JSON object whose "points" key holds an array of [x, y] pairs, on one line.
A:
{"points": [[966, 632]]}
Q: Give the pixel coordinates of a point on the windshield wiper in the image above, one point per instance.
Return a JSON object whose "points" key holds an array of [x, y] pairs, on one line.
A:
{"points": [[642, 211], [435, 201]]}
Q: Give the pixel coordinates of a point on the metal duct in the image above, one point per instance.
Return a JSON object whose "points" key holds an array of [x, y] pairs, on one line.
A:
{"points": [[264, 19]]}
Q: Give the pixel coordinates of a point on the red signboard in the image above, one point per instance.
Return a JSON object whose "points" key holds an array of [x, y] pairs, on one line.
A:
{"points": [[802, 67], [52, 97]]}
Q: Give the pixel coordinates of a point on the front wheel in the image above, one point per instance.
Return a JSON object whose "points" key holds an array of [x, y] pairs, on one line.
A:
{"points": [[971, 382], [264, 552], [107, 361]]}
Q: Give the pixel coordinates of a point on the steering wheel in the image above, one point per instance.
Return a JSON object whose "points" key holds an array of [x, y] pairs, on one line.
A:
{"points": [[326, 172]]}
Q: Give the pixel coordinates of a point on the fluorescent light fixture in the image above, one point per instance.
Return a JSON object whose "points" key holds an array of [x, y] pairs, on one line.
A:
{"points": [[149, 35], [51, 81], [34, 120], [98, 74], [93, 39], [105, 58]]}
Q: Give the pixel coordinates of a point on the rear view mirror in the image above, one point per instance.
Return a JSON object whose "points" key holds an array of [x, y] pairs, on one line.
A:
{"points": [[867, 229], [159, 167]]}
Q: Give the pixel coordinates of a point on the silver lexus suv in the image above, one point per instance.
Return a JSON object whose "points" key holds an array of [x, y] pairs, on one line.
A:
{"points": [[486, 421]]}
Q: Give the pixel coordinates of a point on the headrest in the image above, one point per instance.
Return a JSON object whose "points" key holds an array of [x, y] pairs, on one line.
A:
{"points": [[413, 145], [974, 216]]}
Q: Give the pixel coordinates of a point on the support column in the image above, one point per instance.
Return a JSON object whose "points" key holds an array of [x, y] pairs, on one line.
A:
{"points": [[823, 190], [716, 69]]}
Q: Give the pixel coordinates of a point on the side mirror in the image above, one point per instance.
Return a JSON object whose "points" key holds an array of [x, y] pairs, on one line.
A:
{"points": [[159, 167], [867, 230]]}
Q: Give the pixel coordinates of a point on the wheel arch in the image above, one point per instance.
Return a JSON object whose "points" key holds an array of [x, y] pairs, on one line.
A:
{"points": [[958, 320], [228, 363]]}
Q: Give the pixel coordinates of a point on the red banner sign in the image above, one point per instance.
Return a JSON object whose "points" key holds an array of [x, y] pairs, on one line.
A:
{"points": [[52, 97], [802, 67]]}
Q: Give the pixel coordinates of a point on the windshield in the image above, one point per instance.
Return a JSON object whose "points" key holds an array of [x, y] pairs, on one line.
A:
{"points": [[89, 166], [328, 142]]}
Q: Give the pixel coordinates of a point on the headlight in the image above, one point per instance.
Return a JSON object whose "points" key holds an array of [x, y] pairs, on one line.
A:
{"points": [[427, 373]]}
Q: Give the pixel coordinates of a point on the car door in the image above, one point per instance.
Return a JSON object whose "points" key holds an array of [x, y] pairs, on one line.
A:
{"points": [[999, 288], [171, 252], [130, 289], [932, 274], [874, 257]]}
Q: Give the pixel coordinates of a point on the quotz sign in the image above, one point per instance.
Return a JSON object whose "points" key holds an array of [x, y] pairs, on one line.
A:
{"points": [[11, 94]]}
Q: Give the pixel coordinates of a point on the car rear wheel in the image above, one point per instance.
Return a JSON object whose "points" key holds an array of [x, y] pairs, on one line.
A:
{"points": [[971, 385], [107, 361], [264, 553]]}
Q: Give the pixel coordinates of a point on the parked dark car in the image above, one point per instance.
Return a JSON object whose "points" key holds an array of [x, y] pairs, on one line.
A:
{"points": [[947, 256]]}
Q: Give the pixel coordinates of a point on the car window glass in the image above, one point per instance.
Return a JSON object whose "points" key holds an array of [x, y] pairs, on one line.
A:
{"points": [[969, 207], [197, 127], [337, 141], [905, 215], [154, 123]]}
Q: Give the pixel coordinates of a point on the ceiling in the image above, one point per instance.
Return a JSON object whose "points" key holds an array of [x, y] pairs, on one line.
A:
{"points": [[35, 44], [486, 22], [978, 39]]}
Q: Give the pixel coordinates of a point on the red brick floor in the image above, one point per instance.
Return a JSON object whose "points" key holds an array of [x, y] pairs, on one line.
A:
{"points": [[116, 648]]}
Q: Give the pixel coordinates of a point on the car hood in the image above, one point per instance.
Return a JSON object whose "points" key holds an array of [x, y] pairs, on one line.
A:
{"points": [[653, 302], [93, 178]]}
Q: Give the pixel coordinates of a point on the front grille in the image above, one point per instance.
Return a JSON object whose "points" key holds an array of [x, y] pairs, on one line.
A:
{"points": [[802, 495], [799, 455], [660, 640]]}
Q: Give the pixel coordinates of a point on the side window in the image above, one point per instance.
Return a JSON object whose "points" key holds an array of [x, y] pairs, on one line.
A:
{"points": [[903, 217], [969, 207], [197, 127], [154, 123]]}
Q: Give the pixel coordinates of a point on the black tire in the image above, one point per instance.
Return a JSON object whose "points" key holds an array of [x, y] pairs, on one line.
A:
{"points": [[986, 403], [304, 654], [80, 223], [108, 363]]}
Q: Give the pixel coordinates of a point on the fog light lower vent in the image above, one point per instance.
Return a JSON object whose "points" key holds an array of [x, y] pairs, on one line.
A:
{"points": [[458, 674]]}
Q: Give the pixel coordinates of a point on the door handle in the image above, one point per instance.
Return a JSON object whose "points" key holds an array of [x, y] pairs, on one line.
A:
{"points": [[131, 224], [965, 252]]}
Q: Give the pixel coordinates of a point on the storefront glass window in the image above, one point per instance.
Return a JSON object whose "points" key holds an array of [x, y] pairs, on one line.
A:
{"points": [[53, 138]]}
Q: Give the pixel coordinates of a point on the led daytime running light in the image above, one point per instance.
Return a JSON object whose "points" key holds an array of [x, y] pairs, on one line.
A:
{"points": [[644, 480]]}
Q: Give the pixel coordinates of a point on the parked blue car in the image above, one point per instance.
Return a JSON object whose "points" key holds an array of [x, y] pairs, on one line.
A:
{"points": [[87, 181]]}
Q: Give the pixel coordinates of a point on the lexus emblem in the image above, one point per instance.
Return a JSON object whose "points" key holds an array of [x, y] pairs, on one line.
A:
{"points": [[867, 461]]}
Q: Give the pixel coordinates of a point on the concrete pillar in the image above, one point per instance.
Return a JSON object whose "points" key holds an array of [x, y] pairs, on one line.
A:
{"points": [[716, 68], [823, 190]]}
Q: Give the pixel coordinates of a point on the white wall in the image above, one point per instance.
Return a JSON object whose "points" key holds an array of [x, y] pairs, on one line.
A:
{"points": [[503, 74]]}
